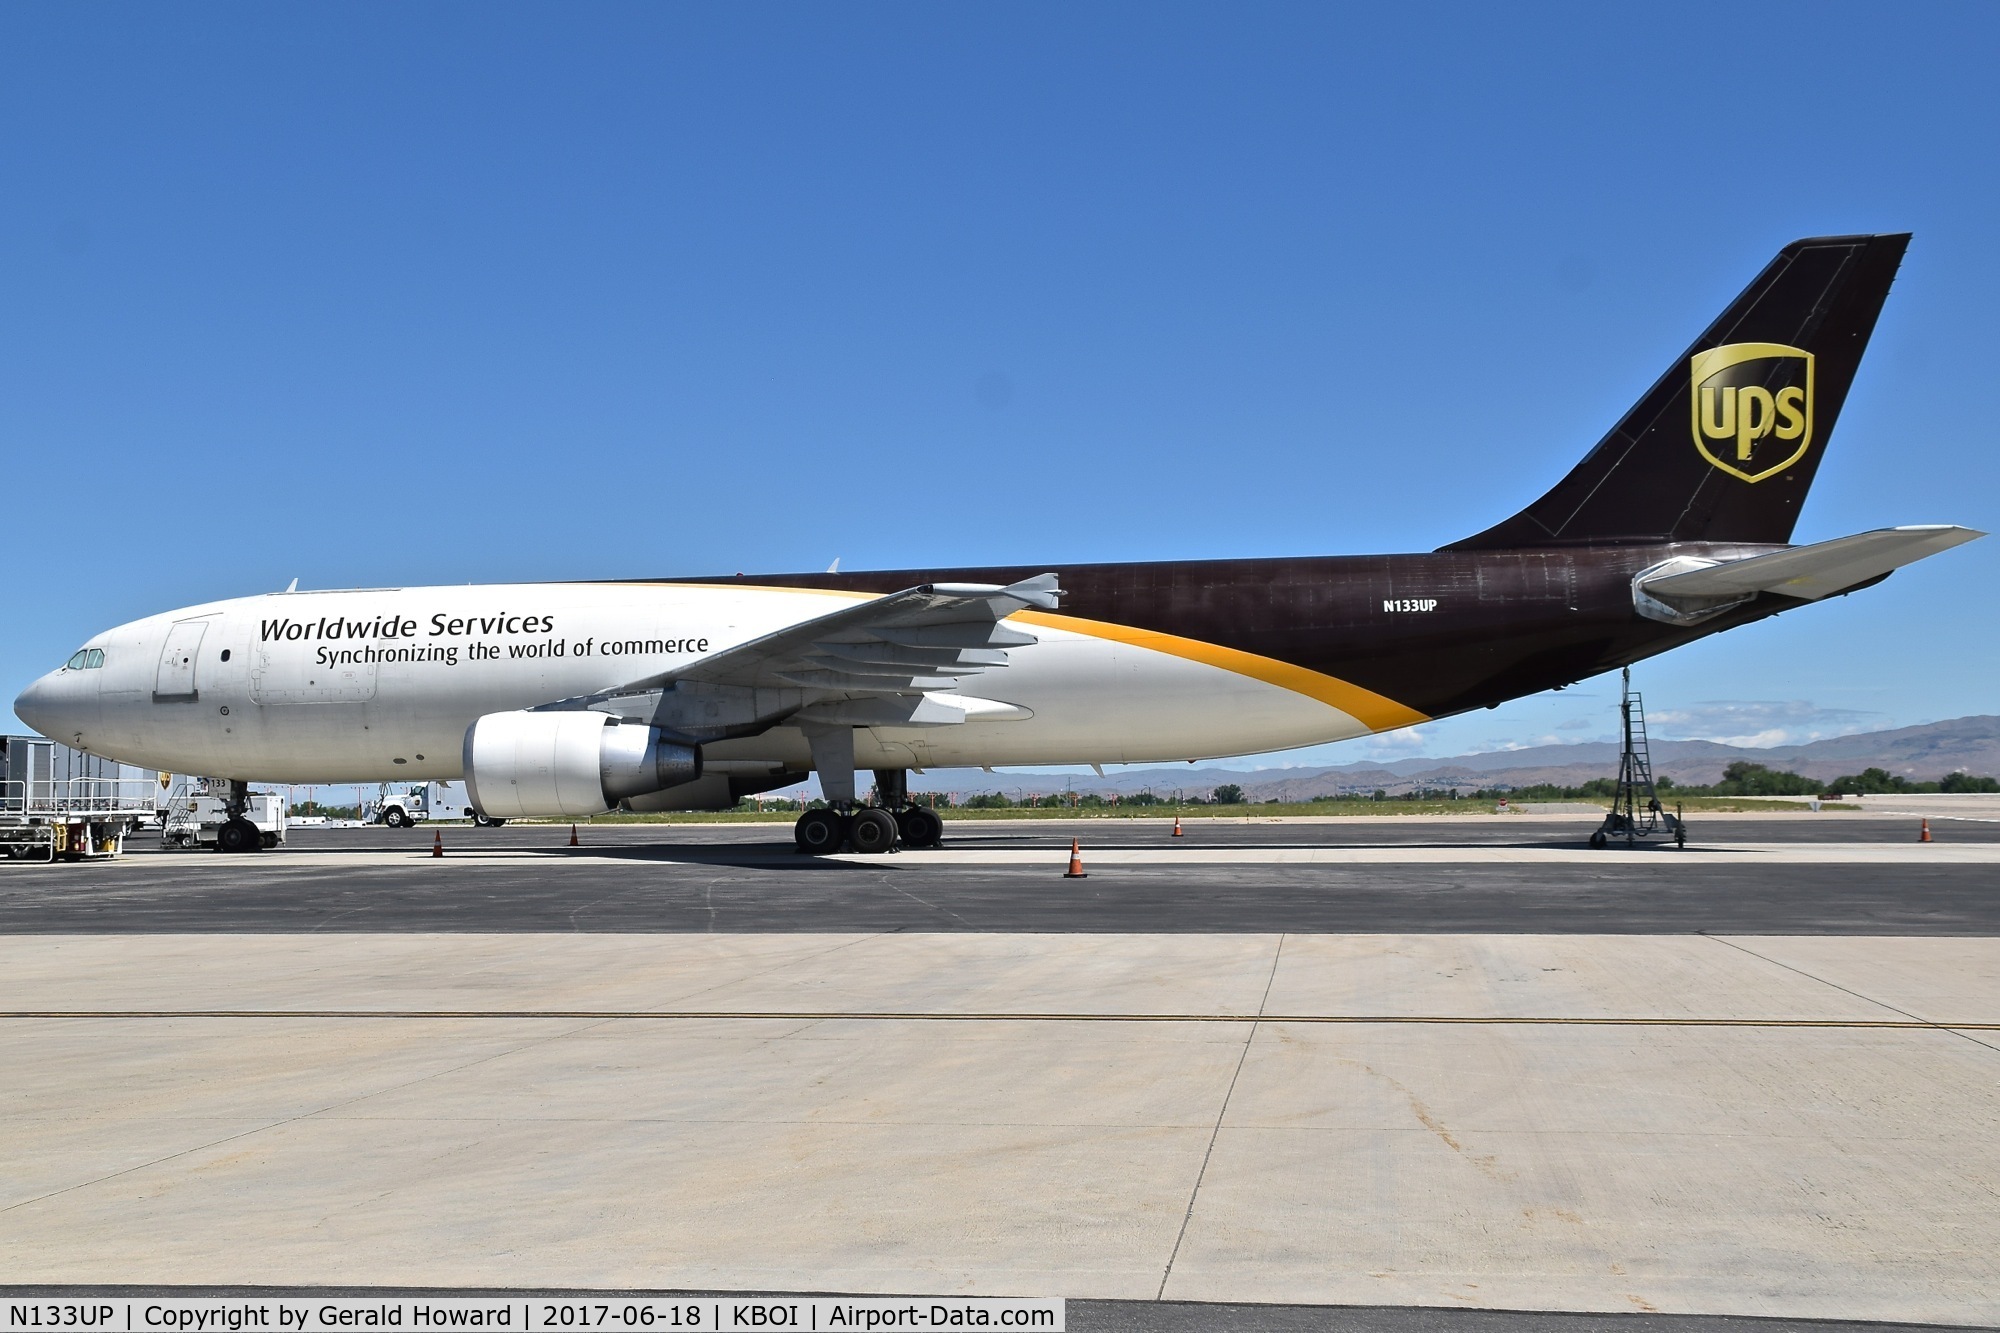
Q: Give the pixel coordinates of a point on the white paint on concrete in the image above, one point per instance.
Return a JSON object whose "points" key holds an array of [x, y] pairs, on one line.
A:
{"points": [[1981, 806]]}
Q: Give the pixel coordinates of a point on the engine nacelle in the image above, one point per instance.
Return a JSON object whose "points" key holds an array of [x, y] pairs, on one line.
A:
{"points": [[524, 765]]}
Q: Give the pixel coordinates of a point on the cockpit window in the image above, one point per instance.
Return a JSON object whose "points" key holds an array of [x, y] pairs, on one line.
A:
{"points": [[85, 658], [96, 658]]}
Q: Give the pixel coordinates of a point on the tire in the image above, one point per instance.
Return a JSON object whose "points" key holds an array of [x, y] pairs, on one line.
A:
{"points": [[395, 818], [873, 831], [920, 826], [239, 835], [819, 832], [481, 821], [1598, 839]]}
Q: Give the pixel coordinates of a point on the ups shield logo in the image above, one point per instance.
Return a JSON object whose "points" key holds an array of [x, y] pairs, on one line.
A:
{"points": [[1752, 405]]}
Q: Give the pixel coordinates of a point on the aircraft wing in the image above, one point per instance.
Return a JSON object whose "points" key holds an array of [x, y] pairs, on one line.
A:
{"points": [[921, 638], [1811, 572], [875, 663]]}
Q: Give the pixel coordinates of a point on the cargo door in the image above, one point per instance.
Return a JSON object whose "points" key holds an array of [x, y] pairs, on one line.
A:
{"points": [[175, 683]]}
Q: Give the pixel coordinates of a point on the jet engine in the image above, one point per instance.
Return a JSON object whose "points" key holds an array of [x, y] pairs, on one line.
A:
{"points": [[524, 765]]}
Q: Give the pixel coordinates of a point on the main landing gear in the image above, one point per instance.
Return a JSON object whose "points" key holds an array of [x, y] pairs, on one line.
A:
{"points": [[869, 829]]}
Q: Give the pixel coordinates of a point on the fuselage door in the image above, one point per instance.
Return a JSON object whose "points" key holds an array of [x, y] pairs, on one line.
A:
{"points": [[175, 684]]}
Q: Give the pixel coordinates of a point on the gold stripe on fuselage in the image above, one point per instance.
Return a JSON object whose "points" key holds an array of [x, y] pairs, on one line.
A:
{"points": [[1374, 711]]}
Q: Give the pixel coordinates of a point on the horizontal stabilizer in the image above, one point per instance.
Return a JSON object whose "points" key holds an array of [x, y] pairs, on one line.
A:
{"points": [[1809, 572]]}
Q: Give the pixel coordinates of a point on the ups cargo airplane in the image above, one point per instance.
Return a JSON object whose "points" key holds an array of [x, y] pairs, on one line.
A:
{"points": [[568, 699]]}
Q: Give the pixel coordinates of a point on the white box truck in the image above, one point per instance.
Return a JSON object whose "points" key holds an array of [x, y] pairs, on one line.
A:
{"points": [[405, 807]]}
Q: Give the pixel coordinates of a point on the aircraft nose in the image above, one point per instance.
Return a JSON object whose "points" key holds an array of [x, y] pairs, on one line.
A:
{"points": [[41, 707]]}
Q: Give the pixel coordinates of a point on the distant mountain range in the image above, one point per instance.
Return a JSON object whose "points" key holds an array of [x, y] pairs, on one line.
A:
{"points": [[1925, 753]]}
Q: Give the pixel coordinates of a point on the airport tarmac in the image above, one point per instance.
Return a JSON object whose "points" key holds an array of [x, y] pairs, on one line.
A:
{"points": [[1794, 874], [1262, 1093]]}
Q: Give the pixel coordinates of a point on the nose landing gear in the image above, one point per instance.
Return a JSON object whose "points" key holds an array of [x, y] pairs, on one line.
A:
{"points": [[237, 833]]}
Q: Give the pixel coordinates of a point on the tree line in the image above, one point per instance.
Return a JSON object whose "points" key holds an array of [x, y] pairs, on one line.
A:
{"points": [[1743, 778]]}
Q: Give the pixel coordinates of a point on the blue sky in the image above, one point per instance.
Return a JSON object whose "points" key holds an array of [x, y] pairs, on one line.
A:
{"points": [[372, 294]]}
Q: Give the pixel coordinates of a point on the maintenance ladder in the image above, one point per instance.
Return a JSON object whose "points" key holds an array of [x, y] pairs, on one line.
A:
{"points": [[1636, 811]]}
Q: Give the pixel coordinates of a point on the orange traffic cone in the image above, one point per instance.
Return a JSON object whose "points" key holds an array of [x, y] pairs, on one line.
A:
{"points": [[572, 836], [1177, 827], [437, 842], [1925, 834], [1075, 870]]}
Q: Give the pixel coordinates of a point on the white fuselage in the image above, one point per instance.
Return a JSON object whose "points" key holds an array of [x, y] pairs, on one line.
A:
{"points": [[381, 685]]}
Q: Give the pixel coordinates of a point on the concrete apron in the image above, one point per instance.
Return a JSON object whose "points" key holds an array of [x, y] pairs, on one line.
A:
{"points": [[1756, 1126], [1657, 853]]}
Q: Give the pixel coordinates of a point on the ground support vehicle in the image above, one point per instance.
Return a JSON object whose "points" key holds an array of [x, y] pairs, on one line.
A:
{"points": [[403, 807], [60, 804], [214, 812]]}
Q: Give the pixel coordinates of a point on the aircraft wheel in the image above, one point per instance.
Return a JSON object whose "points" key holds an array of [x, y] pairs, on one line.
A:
{"points": [[820, 831], [1598, 839], [239, 835], [873, 831], [920, 826]]}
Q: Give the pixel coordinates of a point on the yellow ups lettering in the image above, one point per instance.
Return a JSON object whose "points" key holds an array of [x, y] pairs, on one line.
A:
{"points": [[1718, 413], [1751, 392], [1791, 413], [1753, 418]]}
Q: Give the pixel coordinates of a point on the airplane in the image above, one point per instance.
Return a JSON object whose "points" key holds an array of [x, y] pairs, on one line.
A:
{"points": [[563, 700]]}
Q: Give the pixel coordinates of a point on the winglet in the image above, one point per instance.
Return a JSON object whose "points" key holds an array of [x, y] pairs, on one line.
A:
{"points": [[1039, 591]]}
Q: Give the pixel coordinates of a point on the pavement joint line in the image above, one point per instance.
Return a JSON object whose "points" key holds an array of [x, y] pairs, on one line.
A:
{"points": [[892, 1016], [1955, 1029], [1188, 1217], [922, 902]]}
